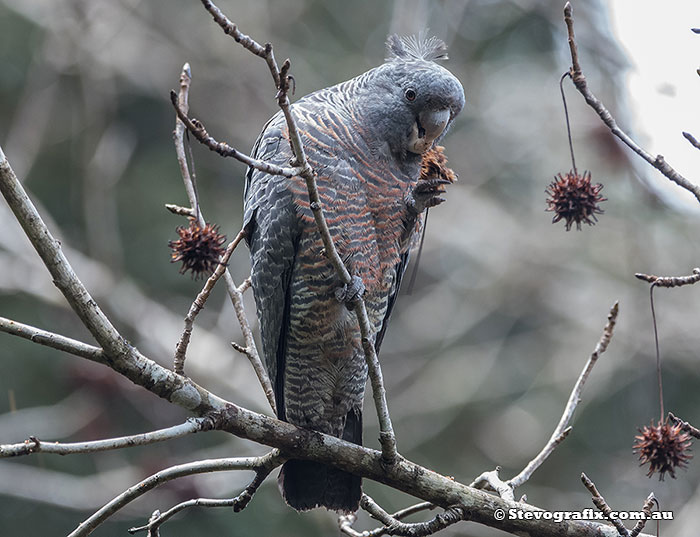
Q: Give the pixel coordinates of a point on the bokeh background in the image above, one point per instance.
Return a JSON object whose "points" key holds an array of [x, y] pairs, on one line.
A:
{"points": [[480, 357]]}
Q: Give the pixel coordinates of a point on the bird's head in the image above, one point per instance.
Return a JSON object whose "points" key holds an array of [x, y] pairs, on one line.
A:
{"points": [[410, 101]]}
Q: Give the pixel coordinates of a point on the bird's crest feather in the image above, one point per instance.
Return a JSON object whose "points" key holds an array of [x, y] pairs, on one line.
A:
{"points": [[412, 47]]}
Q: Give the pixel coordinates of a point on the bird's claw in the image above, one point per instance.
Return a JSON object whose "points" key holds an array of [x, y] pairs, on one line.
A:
{"points": [[426, 194], [349, 292]]}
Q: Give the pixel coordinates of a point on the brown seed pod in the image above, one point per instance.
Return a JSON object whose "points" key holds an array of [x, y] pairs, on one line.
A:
{"points": [[664, 447], [574, 199], [434, 166], [198, 248]]}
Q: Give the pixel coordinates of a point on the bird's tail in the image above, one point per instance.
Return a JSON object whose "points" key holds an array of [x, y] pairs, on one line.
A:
{"points": [[307, 484]]}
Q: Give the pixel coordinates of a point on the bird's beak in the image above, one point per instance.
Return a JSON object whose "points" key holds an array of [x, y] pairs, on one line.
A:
{"points": [[428, 127]]}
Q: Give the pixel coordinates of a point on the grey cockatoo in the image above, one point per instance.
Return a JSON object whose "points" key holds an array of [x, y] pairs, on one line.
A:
{"points": [[364, 139]]}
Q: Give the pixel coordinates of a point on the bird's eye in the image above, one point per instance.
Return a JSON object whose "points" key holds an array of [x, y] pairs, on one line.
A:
{"points": [[410, 94]]}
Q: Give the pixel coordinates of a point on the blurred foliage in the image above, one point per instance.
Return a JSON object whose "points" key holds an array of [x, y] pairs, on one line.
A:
{"points": [[479, 359]]}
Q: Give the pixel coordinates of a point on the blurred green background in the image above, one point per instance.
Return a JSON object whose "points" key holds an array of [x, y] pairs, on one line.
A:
{"points": [[479, 359]]}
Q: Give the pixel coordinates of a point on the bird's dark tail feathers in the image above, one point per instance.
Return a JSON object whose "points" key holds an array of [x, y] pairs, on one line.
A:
{"points": [[308, 484]]}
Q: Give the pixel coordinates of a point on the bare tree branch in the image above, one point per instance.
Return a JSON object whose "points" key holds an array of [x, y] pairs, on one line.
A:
{"points": [[34, 445], [579, 81], [179, 210], [562, 429], [693, 141], [49, 339], [158, 519], [687, 427], [198, 131], [179, 141], [670, 281], [393, 526], [159, 478], [404, 475], [265, 466], [601, 504], [241, 501], [250, 350], [646, 508], [345, 522]]}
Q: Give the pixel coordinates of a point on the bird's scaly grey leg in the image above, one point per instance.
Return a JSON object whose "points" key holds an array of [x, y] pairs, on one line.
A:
{"points": [[426, 194], [347, 293]]}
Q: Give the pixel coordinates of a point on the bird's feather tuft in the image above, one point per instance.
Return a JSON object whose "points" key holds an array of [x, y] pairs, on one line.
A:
{"points": [[412, 47]]}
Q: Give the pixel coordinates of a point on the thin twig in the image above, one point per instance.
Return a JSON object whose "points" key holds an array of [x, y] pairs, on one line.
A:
{"points": [[687, 427], [387, 438], [562, 429], [174, 472], [393, 526], [49, 339], [345, 522], [302, 168], [245, 285], [34, 445], [200, 133], [413, 509], [670, 281], [178, 138], [579, 81], [241, 501], [154, 532], [602, 505], [693, 141], [200, 301], [179, 210], [646, 509], [268, 464], [250, 351], [158, 518]]}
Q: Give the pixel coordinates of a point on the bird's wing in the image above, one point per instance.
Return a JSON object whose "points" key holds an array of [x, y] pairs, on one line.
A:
{"points": [[273, 234]]}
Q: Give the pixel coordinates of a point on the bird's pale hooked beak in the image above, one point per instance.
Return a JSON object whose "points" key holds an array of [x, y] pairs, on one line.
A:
{"points": [[428, 127]]}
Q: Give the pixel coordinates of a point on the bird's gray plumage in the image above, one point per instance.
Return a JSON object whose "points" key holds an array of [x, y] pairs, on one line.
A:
{"points": [[361, 138]]}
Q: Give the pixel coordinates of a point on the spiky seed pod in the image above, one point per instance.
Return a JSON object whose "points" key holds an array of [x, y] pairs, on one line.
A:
{"points": [[198, 248], [574, 199], [434, 166], [664, 447]]}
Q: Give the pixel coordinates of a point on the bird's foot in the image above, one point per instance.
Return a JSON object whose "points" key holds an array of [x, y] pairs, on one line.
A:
{"points": [[426, 194], [349, 292]]}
